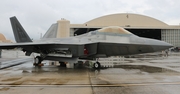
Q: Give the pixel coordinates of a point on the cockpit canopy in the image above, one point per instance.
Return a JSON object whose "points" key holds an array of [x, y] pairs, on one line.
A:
{"points": [[114, 29]]}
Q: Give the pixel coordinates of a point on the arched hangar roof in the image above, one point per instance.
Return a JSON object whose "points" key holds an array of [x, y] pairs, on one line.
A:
{"points": [[126, 20], [2, 37]]}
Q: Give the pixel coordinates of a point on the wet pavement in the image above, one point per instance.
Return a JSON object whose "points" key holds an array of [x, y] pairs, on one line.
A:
{"points": [[145, 75]]}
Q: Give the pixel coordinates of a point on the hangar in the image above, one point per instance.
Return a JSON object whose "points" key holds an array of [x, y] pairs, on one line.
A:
{"points": [[140, 25], [3, 39]]}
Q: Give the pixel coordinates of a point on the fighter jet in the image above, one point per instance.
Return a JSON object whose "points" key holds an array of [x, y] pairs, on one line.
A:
{"points": [[101, 43]]}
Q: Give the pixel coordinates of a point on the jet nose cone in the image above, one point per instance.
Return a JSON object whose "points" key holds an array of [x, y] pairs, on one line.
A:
{"points": [[158, 45], [166, 45]]}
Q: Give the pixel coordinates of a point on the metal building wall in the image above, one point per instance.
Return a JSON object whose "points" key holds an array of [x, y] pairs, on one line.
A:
{"points": [[171, 36], [72, 32]]}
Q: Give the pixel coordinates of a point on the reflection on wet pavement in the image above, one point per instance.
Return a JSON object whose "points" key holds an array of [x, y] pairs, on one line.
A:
{"points": [[131, 76], [144, 68]]}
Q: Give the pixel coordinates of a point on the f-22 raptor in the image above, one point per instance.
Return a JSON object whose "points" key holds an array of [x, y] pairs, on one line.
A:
{"points": [[105, 42]]}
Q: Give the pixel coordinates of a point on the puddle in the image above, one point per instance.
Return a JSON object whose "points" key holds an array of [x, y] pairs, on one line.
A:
{"points": [[174, 66], [144, 68], [12, 79]]}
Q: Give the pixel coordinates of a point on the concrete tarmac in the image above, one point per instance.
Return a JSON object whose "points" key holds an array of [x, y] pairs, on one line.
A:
{"points": [[145, 75]]}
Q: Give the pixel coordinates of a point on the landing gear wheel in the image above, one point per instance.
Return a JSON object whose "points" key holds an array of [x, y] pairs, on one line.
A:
{"points": [[62, 64], [97, 65], [37, 61]]}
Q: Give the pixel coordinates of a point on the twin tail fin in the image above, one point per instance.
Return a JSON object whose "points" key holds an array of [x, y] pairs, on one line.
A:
{"points": [[19, 32]]}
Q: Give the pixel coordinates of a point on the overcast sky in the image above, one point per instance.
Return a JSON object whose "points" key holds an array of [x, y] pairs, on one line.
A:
{"points": [[36, 16]]}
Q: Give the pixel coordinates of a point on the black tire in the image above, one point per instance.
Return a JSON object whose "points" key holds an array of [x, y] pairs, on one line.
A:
{"points": [[97, 65], [62, 64]]}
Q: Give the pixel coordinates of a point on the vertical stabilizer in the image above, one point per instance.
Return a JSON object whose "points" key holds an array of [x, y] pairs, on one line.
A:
{"points": [[19, 32]]}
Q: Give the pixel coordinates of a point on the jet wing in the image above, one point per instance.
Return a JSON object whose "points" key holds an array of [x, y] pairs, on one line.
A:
{"points": [[76, 49], [21, 45]]}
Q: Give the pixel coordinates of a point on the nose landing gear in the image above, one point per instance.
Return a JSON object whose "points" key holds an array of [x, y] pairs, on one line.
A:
{"points": [[37, 61]]}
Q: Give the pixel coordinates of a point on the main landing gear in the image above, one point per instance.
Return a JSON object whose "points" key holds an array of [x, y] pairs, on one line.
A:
{"points": [[37, 61], [62, 64]]}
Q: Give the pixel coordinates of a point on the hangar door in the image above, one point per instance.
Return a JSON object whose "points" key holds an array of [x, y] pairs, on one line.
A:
{"points": [[171, 36], [147, 33]]}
